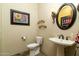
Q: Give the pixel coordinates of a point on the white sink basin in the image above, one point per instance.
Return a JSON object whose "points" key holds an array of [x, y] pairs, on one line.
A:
{"points": [[62, 41]]}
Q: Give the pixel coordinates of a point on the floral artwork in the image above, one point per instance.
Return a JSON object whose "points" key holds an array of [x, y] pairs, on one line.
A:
{"points": [[20, 18]]}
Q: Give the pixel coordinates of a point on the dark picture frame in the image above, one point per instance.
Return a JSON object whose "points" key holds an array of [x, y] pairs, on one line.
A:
{"points": [[73, 16], [19, 17]]}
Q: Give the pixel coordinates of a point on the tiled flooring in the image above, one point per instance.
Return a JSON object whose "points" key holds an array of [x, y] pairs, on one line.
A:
{"points": [[40, 54]]}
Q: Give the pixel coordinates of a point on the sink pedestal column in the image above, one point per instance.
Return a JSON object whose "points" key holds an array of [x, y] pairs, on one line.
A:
{"points": [[60, 50]]}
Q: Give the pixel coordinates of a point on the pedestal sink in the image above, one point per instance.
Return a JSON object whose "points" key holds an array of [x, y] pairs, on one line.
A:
{"points": [[61, 43]]}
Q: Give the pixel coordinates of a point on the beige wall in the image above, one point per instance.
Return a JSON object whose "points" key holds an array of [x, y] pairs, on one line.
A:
{"points": [[12, 42], [0, 27], [52, 30]]}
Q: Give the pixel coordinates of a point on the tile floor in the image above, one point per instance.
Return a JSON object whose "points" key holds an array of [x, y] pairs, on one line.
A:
{"points": [[40, 54]]}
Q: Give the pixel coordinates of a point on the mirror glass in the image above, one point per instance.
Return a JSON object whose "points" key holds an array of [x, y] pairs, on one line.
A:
{"points": [[66, 16]]}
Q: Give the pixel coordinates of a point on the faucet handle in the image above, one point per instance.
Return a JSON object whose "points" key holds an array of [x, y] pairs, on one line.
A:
{"points": [[67, 37]]}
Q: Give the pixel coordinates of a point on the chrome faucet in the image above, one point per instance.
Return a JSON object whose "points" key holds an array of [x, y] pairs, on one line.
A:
{"points": [[61, 36]]}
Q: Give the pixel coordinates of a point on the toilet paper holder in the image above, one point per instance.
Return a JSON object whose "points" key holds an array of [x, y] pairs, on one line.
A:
{"points": [[23, 38]]}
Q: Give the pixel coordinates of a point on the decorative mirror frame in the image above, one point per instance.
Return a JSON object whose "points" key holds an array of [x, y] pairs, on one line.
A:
{"points": [[73, 17]]}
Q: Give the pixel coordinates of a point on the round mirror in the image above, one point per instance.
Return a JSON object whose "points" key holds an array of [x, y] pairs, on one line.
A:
{"points": [[66, 16]]}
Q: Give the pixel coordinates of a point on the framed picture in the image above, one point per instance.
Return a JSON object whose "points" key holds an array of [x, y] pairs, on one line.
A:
{"points": [[19, 18]]}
